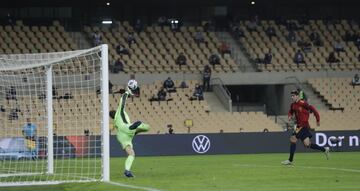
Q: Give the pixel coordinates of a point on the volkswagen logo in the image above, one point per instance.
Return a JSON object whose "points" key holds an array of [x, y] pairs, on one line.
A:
{"points": [[201, 144]]}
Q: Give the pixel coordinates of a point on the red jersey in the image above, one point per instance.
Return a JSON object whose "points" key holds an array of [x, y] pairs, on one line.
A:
{"points": [[302, 109]]}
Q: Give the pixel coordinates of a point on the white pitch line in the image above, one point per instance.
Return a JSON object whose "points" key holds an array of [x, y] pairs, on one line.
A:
{"points": [[306, 167], [132, 186]]}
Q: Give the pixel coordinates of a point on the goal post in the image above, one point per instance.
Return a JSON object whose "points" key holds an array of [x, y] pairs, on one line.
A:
{"points": [[54, 118], [105, 114]]}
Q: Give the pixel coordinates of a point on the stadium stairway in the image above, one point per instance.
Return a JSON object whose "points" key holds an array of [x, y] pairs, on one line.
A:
{"points": [[214, 103], [244, 63], [313, 98], [281, 120]]}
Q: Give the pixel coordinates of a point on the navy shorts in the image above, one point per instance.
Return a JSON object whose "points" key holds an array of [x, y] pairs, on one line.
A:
{"points": [[302, 133]]}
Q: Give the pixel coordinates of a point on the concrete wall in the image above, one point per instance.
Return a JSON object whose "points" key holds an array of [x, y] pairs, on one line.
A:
{"points": [[237, 78]]}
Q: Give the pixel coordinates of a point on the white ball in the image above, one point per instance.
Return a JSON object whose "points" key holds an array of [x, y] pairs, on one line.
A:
{"points": [[132, 84]]}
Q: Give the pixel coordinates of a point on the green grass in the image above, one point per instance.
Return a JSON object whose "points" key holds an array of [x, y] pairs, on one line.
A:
{"points": [[229, 172]]}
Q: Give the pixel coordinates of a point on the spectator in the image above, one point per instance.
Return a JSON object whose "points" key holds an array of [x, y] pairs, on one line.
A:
{"points": [[183, 85], [305, 46], [86, 132], [54, 92], [42, 96], [11, 93], [29, 130], [131, 38], [30, 133], [169, 85], [339, 46], [291, 36], [138, 26], [316, 40], [314, 35], [199, 37], [268, 58], [9, 19], [181, 59], [110, 87], [162, 21], [332, 58], [97, 39], [2, 109], [256, 19], [252, 25], [357, 42], [224, 49], [170, 129], [214, 60], [237, 31], [198, 93], [206, 77], [120, 49], [270, 31], [161, 95], [13, 115], [118, 66], [67, 96], [356, 80], [299, 57], [208, 26]]}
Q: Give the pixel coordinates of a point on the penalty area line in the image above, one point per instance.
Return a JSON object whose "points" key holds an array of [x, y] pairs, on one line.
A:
{"points": [[132, 186]]}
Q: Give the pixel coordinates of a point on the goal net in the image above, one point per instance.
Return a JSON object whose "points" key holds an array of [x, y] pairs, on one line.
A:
{"points": [[54, 117]]}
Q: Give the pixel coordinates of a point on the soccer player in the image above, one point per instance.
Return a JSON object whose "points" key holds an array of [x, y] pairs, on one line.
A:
{"points": [[29, 132], [301, 110], [125, 129]]}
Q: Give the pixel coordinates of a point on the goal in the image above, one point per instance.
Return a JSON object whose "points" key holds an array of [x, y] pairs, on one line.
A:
{"points": [[54, 123]]}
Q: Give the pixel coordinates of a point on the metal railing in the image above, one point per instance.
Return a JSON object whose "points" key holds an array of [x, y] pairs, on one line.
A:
{"points": [[222, 93]]}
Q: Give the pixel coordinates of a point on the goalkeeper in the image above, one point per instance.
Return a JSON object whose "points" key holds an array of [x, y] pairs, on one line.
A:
{"points": [[125, 129]]}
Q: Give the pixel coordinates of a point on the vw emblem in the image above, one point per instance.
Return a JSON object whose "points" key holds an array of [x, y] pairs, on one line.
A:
{"points": [[201, 144]]}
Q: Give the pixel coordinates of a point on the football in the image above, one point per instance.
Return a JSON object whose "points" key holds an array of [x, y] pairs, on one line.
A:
{"points": [[134, 88], [132, 84]]}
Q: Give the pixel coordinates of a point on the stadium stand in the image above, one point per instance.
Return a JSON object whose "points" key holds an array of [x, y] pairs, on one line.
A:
{"points": [[337, 120], [64, 117], [156, 48], [257, 43], [180, 108], [338, 92], [22, 38], [157, 114]]}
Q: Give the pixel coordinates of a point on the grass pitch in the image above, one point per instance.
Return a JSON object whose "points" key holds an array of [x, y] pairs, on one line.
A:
{"points": [[311, 171]]}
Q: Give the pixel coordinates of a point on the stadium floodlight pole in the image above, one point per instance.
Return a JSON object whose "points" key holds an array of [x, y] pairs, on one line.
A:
{"points": [[50, 138], [105, 109]]}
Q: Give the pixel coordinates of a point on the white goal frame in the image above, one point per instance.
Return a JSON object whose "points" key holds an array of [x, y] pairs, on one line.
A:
{"points": [[48, 59]]}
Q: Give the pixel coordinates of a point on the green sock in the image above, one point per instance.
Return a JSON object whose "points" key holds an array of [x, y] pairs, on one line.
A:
{"points": [[129, 162]]}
